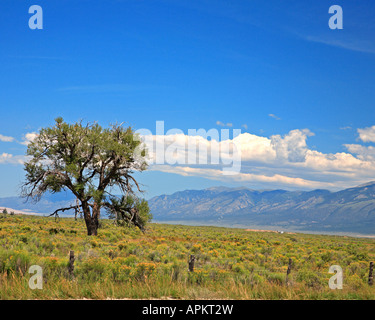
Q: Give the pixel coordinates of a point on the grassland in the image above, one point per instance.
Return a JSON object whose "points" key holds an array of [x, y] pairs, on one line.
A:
{"points": [[123, 263]]}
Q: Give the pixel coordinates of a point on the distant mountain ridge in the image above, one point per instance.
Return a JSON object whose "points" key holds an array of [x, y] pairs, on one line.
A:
{"points": [[349, 210], [48, 204]]}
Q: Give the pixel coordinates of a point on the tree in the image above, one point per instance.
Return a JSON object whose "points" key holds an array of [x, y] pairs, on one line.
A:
{"points": [[129, 210], [87, 160]]}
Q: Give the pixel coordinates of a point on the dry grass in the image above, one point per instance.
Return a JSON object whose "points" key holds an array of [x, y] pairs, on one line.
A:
{"points": [[126, 264]]}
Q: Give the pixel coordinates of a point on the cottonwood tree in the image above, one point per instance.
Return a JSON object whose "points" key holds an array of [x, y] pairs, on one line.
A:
{"points": [[90, 161]]}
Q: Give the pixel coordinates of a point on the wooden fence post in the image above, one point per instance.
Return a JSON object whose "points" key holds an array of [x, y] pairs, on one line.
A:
{"points": [[191, 263], [288, 271], [370, 276], [71, 263]]}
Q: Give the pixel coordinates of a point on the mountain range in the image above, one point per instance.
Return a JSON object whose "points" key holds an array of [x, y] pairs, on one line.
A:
{"points": [[47, 204], [350, 210]]}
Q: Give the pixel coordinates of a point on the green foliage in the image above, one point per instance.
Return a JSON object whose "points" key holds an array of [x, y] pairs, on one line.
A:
{"points": [[86, 160], [128, 211], [311, 279], [77, 153]]}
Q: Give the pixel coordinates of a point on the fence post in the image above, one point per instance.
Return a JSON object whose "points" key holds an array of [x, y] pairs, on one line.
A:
{"points": [[370, 276], [71, 263], [191, 263], [288, 271]]}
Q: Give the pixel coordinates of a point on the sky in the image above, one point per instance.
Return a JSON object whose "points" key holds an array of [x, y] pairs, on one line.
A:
{"points": [[302, 94]]}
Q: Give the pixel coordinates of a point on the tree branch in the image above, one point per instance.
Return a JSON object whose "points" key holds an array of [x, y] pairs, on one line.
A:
{"points": [[55, 213]]}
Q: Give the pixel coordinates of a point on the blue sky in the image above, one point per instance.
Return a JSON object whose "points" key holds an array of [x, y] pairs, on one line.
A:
{"points": [[266, 67]]}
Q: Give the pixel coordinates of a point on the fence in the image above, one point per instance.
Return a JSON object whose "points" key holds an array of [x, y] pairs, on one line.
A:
{"points": [[191, 266]]}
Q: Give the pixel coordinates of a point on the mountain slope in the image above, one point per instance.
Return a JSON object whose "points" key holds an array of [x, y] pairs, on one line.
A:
{"points": [[48, 204], [351, 209]]}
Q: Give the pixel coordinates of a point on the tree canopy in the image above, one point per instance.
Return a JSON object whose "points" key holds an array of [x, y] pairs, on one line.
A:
{"points": [[90, 161]]}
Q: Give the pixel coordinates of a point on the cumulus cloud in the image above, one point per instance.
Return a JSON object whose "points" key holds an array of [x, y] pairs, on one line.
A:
{"points": [[6, 138], [278, 161], [202, 148], [367, 134], [363, 152], [282, 161], [255, 148], [29, 137], [292, 147], [6, 158]]}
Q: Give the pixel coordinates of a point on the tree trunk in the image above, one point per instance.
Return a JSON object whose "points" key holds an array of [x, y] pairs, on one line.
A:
{"points": [[91, 220], [92, 229], [95, 218]]}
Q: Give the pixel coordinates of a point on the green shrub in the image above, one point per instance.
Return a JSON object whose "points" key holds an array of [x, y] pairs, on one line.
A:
{"points": [[311, 279]]}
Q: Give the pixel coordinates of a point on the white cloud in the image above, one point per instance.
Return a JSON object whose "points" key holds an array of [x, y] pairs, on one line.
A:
{"points": [[219, 123], [340, 162], [282, 161], [367, 134], [6, 138], [215, 174], [363, 152], [255, 148], [7, 158], [274, 116], [346, 128], [26, 139], [29, 137], [292, 147], [181, 149], [278, 161]]}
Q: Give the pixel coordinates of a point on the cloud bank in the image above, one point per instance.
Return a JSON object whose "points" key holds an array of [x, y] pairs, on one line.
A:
{"points": [[278, 161]]}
